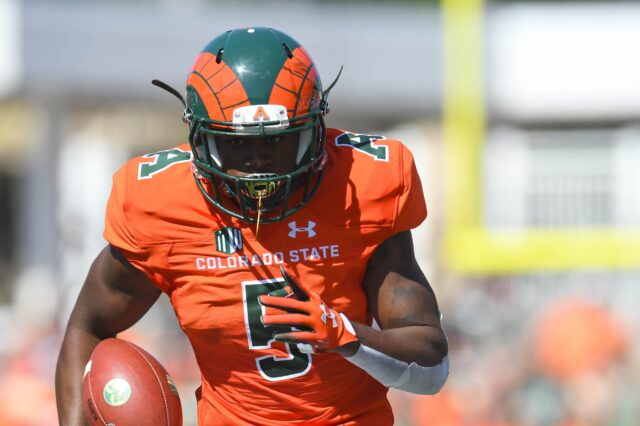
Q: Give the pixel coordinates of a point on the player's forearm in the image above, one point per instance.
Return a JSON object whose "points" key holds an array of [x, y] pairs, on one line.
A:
{"points": [[423, 345], [74, 354], [412, 358]]}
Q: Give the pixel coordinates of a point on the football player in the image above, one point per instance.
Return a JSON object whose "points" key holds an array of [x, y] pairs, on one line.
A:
{"points": [[278, 241]]}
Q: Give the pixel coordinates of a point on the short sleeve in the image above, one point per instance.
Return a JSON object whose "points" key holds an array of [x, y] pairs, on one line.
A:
{"points": [[119, 232], [412, 208]]}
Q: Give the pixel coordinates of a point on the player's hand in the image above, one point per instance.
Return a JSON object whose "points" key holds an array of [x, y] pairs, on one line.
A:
{"points": [[325, 328]]}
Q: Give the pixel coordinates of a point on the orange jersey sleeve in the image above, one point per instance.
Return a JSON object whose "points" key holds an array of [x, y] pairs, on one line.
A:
{"points": [[412, 208], [376, 183], [118, 231], [134, 222]]}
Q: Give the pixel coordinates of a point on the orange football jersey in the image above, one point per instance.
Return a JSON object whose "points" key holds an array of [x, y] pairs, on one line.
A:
{"points": [[214, 269]]}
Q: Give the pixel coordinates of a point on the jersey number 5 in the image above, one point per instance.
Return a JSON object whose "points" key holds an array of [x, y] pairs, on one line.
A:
{"points": [[260, 336]]}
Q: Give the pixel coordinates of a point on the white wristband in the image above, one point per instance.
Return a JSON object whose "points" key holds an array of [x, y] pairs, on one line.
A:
{"points": [[397, 374]]}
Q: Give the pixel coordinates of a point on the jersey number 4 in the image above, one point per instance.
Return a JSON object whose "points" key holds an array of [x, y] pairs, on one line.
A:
{"points": [[160, 161], [366, 144], [260, 336]]}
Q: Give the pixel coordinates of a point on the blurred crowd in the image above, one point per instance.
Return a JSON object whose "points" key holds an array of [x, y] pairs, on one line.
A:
{"points": [[524, 351], [523, 354]]}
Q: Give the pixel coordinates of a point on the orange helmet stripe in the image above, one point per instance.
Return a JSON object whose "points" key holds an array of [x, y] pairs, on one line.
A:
{"points": [[218, 86], [296, 84]]}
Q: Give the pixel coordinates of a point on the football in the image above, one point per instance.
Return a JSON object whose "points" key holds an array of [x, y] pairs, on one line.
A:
{"points": [[124, 385]]}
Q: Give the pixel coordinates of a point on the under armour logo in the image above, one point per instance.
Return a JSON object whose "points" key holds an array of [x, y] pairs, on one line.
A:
{"points": [[309, 229], [329, 314]]}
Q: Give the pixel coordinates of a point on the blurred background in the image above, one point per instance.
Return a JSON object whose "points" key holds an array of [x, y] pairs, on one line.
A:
{"points": [[524, 118]]}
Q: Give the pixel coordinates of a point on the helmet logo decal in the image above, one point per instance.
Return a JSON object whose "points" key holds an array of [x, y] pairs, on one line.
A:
{"points": [[308, 229], [261, 115], [258, 118], [228, 240]]}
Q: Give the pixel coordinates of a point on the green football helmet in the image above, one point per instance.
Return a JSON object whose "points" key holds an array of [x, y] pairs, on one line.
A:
{"points": [[255, 82]]}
